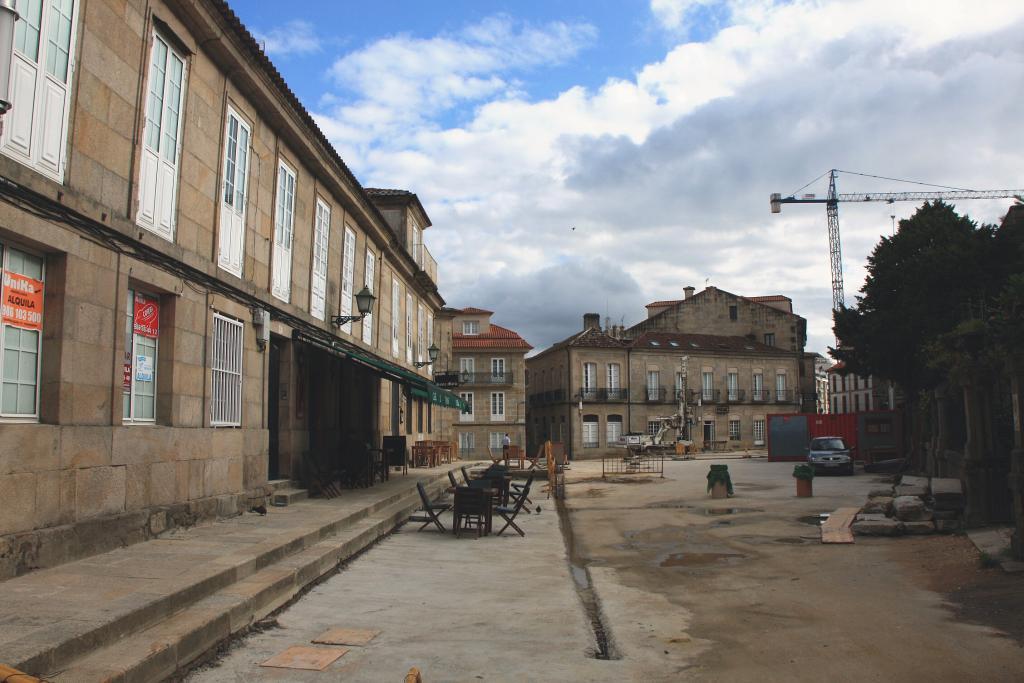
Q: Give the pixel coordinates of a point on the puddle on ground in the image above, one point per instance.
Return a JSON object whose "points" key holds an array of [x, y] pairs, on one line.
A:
{"points": [[813, 520], [699, 559]]}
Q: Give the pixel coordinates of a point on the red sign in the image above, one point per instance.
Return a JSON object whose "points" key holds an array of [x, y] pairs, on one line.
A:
{"points": [[22, 301], [147, 316], [126, 381]]}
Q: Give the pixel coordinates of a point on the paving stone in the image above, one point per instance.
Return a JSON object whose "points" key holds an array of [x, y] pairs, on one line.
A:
{"points": [[877, 527], [878, 505], [910, 509]]}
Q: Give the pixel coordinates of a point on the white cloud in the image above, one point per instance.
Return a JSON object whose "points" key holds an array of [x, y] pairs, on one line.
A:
{"points": [[672, 14], [297, 37], [666, 174]]}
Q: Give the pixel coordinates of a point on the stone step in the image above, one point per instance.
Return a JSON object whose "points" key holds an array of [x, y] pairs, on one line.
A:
{"points": [[286, 497], [157, 652], [125, 618]]}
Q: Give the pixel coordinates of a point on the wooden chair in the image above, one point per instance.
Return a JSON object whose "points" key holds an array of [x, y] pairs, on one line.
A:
{"points": [[451, 478], [517, 490], [509, 512], [428, 515], [472, 507], [465, 475]]}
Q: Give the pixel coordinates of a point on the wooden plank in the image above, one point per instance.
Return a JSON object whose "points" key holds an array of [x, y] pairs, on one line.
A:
{"points": [[836, 528]]}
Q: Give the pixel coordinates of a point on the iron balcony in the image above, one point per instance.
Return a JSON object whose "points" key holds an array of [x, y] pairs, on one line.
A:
{"points": [[596, 395], [485, 377]]}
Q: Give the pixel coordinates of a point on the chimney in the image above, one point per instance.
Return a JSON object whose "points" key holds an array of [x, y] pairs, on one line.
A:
{"points": [[592, 321], [688, 292]]}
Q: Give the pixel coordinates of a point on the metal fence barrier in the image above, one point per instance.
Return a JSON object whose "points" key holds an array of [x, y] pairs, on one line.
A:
{"points": [[633, 464]]}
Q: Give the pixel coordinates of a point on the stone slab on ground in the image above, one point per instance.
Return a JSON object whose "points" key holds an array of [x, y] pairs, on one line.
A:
{"points": [[910, 509], [947, 494], [881, 505], [911, 490], [879, 525]]}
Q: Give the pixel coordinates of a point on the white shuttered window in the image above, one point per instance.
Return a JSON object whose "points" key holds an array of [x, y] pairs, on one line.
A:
{"points": [[318, 285], [284, 228], [368, 280], [158, 169], [35, 130], [396, 313], [348, 274], [421, 325], [237, 136], [226, 371], [408, 327]]}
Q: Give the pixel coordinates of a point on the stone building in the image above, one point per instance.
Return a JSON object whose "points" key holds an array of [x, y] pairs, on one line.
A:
{"points": [[491, 365], [850, 393], [597, 385], [176, 235]]}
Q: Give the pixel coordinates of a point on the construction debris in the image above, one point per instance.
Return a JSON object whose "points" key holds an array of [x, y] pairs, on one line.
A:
{"points": [[916, 505]]}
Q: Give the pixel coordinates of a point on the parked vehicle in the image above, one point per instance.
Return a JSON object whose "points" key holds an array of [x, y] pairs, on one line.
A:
{"points": [[830, 454]]}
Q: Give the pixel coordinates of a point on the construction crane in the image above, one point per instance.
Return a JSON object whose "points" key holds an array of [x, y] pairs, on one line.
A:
{"points": [[831, 202]]}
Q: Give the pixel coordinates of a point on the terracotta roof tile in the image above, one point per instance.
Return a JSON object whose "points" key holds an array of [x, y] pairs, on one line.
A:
{"points": [[667, 302], [476, 311], [770, 297], [497, 338]]}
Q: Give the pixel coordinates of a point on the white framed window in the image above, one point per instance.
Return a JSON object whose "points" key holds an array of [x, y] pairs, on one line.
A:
{"points": [[780, 387], [467, 441], [36, 129], [614, 429], [470, 327], [759, 431], [589, 377], [653, 385], [417, 245], [318, 275], [226, 372], [430, 335], [496, 440], [421, 331], [653, 427], [758, 387], [368, 279], [161, 140], [237, 136], [284, 231], [497, 405], [497, 369], [614, 373], [467, 414], [396, 312], [591, 426], [141, 346], [467, 368], [733, 384], [21, 335], [707, 385], [734, 429], [408, 326], [348, 276]]}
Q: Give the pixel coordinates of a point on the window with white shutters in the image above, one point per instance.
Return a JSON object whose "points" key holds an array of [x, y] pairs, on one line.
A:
{"points": [[467, 366], [36, 129], [237, 136], [430, 337], [707, 385], [368, 280], [318, 285], [613, 375], [348, 276], [590, 431], [408, 327], [614, 429], [759, 432], [21, 344], [396, 312], [467, 414], [158, 168], [226, 372], [498, 405], [780, 387], [653, 385], [421, 331], [497, 370], [733, 382], [284, 229], [470, 327], [589, 377]]}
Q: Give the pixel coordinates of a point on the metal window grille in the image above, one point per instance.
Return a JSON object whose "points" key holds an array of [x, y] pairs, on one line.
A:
{"points": [[226, 371]]}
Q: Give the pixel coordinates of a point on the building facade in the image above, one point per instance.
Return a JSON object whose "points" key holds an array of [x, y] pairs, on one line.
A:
{"points": [[594, 387], [850, 393], [491, 364], [176, 235]]}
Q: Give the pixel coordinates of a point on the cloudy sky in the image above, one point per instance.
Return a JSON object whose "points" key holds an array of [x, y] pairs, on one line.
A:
{"points": [[594, 156]]}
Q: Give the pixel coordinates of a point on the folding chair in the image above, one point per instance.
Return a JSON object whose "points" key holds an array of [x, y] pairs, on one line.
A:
{"points": [[465, 475], [451, 478], [517, 490], [509, 512], [428, 515]]}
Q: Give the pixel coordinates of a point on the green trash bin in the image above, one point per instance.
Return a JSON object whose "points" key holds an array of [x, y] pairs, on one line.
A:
{"points": [[719, 474]]}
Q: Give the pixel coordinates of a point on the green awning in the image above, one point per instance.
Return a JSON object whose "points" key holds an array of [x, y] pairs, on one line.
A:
{"points": [[419, 393], [445, 398]]}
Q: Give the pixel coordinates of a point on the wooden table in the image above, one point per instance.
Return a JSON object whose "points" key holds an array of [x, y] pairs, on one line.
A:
{"points": [[488, 509]]}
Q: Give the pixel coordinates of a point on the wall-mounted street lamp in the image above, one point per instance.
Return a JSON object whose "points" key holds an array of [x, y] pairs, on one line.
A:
{"points": [[8, 17], [431, 354], [364, 302]]}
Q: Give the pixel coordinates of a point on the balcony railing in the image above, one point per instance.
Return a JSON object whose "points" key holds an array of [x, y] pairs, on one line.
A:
{"points": [[708, 395], [784, 396], [734, 395], [760, 396], [428, 264], [485, 377], [604, 394], [654, 394]]}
